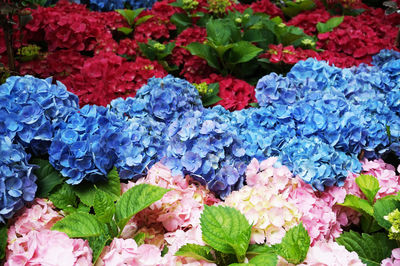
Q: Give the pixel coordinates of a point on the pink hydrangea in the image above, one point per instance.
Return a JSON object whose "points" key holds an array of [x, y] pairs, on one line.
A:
{"points": [[127, 252], [331, 254], [179, 238], [393, 260], [40, 215], [270, 213], [47, 247], [179, 208], [315, 213]]}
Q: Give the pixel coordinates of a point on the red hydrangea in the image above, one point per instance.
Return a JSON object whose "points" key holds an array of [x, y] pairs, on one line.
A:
{"points": [[68, 25], [236, 94], [107, 76], [260, 6], [308, 20], [288, 54], [361, 37]]}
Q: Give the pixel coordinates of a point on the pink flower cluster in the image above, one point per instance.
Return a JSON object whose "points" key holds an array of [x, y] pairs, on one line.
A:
{"points": [[393, 260], [31, 242]]}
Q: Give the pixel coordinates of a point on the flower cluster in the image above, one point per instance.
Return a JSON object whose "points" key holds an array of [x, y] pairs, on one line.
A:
{"points": [[289, 54], [201, 143], [109, 5], [270, 214], [30, 240], [394, 259]]}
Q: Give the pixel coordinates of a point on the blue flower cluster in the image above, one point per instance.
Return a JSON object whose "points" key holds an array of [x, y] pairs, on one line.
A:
{"points": [[331, 115], [109, 5], [30, 111], [200, 143]]}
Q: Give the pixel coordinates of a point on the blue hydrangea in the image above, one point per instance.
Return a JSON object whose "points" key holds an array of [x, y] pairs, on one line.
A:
{"points": [[17, 182], [384, 56], [31, 109], [318, 163], [90, 142], [200, 143], [274, 88], [109, 5]]}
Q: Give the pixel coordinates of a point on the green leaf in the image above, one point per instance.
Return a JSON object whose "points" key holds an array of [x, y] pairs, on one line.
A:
{"points": [[360, 205], [130, 15], [112, 186], [206, 52], [255, 249], [369, 224], [181, 21], [3, 241], [47, 178], [143, 19], [383, 207], [371, 249], [369, 185], [63, 197], [219, 32], [79, 224], [81, 208], [329, 25], [243, 52], [125, 30], [196, 251], [294, 8], [210, 100], [97, 244], [264, 259], [104, 206], [226, 230], [295, 245], [255, 105], [136, 199]]}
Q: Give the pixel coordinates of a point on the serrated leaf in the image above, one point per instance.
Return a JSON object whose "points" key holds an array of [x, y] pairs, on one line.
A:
{"points": [[369, 185], [196, 251], [63, 197], [330, 24], [79, 224], [129, 15], [218, 32], [125, 30], [243, 52], [360, 205], [143, 19], [97, 245], [103, 206], [204, 51], [294, 245], [264, 259], [294, 8], [3, 241], [226, 230], [81, 208], [47, 177], [371, 249], [112, 186], [181, 21], [383, 207], [210, 100], [255, 249], [136, 199]]}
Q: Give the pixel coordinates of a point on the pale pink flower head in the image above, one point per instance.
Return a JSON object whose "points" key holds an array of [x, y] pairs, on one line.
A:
{"points": [[41, 215], [270, 213], [48, 247], [180, 207], [126, 252]]}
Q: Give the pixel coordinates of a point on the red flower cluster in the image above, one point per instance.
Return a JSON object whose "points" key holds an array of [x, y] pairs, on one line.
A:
{"points": [[360, 37], [308, 20], [288, 54], [69, 25], [260, 6], [107, 76], [236, 94]]}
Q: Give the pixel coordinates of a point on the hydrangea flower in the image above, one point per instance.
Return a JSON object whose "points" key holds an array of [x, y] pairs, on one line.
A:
{"points": [[393, 260], [17, 182], [202, 144], [110, 5], [179, 208], [271, 214], [32, 108]]}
